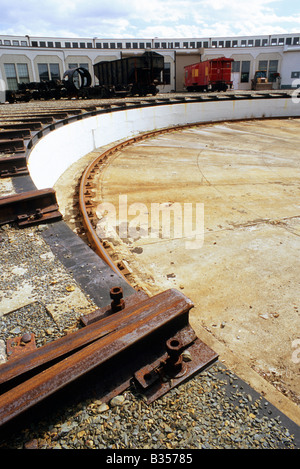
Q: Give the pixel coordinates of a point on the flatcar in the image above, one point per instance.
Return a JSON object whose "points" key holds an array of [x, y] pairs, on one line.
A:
{"points": [[209, 75], [74, 84]]}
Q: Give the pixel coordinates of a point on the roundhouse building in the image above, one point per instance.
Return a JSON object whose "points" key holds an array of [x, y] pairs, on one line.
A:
{"points": [[25, 59]]}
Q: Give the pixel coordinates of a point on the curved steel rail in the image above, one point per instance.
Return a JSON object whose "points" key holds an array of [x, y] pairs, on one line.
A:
{"points": [[85, 204]]}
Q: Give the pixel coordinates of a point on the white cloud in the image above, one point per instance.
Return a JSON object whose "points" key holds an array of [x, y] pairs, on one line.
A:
{"points": [[156, 18]]}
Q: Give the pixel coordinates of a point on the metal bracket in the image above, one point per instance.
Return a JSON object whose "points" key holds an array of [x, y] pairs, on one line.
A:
{"points": [[17, 346], [185, 356], [117, 304]]}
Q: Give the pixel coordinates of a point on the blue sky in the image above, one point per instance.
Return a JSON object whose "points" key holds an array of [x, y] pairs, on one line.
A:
{"points": [[149, 19]]}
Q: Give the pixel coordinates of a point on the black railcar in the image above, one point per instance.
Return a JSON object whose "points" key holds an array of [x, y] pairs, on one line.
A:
{"points": [[135, 75]]}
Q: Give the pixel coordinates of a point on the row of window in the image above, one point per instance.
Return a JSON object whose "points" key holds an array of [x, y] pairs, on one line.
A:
{"points": [[18, 73], [243, 67], [258, 42], [58, 45], [8, 42], [159, 45]]}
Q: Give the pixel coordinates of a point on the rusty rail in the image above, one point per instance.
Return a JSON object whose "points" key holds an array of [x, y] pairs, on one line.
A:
{"points": [[14, 133], [137, 331], [29, 124], [15, 145], [69, 343], [11, 166], [29, 208]]}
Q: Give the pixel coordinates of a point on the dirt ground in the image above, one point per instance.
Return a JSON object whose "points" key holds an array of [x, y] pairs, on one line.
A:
{"points": [[243, 274]]}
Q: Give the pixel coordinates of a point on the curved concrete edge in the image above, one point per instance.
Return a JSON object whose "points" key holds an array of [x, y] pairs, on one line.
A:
{"points": [[58, 150]]}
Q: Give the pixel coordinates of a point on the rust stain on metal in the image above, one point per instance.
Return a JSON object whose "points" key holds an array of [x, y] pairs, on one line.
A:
{"points": [[118, 303], [15, 145], [125, 333], [101, 313], [156, 380], [29, 208], [72, 342], [14, 133], [13, 166], [17, 346]]}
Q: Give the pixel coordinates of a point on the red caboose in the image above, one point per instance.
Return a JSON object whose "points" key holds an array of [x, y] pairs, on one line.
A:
{"points": [[210, 75]]}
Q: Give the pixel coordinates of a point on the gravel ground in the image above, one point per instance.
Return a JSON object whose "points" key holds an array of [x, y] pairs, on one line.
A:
{"points": [[31, 277], [211, 411]]}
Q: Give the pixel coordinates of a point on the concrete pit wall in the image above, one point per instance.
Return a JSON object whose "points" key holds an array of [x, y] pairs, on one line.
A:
{"points": [[53, 154]]}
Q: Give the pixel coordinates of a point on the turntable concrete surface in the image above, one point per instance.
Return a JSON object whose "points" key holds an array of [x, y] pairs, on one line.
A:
{"points": [[244, 277]]}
